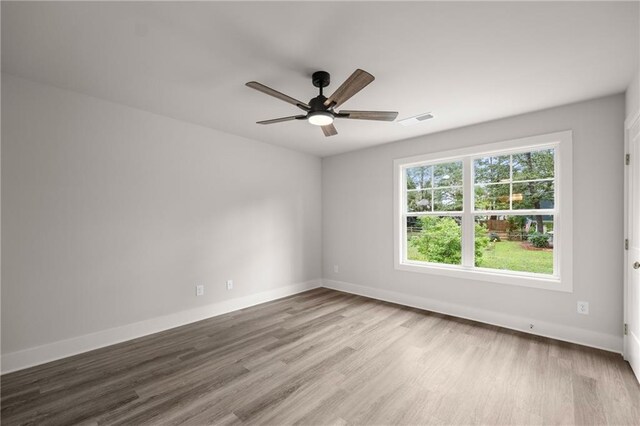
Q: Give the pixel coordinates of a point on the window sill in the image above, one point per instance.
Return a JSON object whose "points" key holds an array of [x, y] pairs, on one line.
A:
{"points": [[545, 282]]}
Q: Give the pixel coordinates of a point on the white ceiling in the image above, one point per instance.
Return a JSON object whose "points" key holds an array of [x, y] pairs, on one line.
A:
{"points": [[465, 62]]}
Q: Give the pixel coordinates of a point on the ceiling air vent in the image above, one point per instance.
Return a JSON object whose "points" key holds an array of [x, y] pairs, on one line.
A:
{"points": [[415, 119]]}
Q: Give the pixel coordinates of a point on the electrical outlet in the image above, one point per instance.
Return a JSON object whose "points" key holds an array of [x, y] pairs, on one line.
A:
{"points": [[583, 308], [229, 284], [336, 268], [199, 290]]}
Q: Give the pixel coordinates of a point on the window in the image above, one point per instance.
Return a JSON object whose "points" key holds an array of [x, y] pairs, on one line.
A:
{"points": [[493, 212]]}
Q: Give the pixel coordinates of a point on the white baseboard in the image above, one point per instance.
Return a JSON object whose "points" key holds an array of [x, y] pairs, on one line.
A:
{"points": [[19, 360], [50, 352], [580, 336]]}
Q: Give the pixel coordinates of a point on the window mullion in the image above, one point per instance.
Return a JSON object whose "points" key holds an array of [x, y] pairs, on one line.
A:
{"points": [[511, 182], [522, 212], [468, 253], [432, 191]]}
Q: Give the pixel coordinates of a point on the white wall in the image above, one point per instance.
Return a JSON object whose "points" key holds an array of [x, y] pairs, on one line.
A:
{"points": [[358, 228], [111, 215], [633, 96], [633, 91]]}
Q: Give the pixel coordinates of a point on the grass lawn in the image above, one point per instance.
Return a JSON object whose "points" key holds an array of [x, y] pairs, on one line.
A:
{"points": [[511, 256], [508, 255]]}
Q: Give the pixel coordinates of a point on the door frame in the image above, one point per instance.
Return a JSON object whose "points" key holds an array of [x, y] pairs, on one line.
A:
{"points": [[628, 125]]}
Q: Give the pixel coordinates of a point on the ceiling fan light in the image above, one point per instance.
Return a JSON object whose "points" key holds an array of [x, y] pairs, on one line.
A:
{"points": [[320, 118]]}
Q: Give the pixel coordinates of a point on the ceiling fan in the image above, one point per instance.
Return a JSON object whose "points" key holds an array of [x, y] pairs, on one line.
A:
{"points": [[320, 110]]}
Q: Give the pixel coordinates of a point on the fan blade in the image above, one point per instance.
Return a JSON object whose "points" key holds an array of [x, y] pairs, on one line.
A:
{"points": [[272, 92], [368, 115], [352, 85], [280, 120], [329, 130]]}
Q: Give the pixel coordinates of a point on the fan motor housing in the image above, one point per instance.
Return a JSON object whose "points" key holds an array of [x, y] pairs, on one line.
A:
{"points": [[320, 79], [317, 104]]}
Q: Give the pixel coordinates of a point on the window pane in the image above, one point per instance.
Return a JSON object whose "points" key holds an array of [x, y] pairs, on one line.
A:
{"points": [[435, 239], [419, 201], [533, 195], [419, 177], [447, 200], [491, 169], [515, 243], [533, 165], [492, 197], [447, 174]]}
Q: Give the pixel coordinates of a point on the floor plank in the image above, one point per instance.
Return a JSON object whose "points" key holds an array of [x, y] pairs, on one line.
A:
{"points": [[326, 357]]}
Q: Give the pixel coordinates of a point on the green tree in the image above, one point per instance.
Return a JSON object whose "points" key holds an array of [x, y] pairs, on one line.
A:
{"points": [[481, 242], [524, 179], [435, 187], [515, 226], [539, 240], [440, 240], [530, 166]]}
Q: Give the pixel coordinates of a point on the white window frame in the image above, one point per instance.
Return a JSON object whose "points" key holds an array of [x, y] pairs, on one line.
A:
{"points": [[561, 279]]}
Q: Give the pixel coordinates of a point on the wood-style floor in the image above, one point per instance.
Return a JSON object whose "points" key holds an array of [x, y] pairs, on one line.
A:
{"points": [[325, 357]]}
